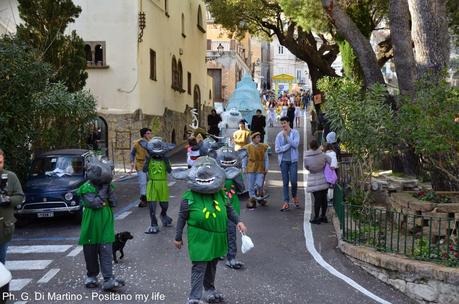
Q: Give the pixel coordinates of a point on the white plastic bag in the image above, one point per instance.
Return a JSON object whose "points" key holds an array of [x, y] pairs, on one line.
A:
{"points": [[247, 243]]}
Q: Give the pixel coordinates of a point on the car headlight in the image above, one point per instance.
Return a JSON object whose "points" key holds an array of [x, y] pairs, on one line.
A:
{"points": [[18, 207], [68, 196]]}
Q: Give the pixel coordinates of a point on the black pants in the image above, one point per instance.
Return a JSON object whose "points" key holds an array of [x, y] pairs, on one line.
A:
{"points": [[320, 202], [98, 257], [202, 274]]}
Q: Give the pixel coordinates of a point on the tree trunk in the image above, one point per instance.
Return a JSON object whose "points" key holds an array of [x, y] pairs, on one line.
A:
{"points": [[361, 45], [430, 35], [399, 18]]}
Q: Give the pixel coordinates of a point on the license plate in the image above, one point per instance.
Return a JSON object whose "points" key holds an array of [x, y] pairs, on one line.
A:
{"points": [[45, 214]]}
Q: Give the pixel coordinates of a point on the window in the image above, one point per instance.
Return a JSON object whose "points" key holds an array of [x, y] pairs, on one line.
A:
{"points": [[166, 8], [99, 54], [152, 65], [174, 73], [189, 83], [180, 76], [210, 94], [281, 49], [95, 53], [177, 75], [298, 75], [200, 23], [183, 25], [88, 54]]}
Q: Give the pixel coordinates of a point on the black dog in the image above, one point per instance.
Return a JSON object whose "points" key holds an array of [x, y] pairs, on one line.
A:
{"points": [[120, 241]]}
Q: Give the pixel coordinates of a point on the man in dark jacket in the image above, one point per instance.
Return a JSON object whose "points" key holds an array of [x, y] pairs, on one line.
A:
{"points": [[11, 195], [213, 119], [258, 124]]}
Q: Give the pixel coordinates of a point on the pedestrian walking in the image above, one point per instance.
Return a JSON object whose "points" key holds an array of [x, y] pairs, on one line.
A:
{"points": [[291, 114], [98, 225], [298, 113], [206, 210], [256, 166], [286, 147], [314, 161], [213, 119], [138, 156], [258, 124], [271, 113], [157, 167], [11, 195], [241, 137]]}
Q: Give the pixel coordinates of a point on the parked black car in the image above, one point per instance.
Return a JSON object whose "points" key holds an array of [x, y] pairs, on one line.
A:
{"points": [[53, 179]]}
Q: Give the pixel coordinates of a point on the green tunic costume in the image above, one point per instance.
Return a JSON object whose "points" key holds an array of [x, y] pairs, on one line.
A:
{"points": [[207, 225], [230, 190], [97, 225], [157, 188]]}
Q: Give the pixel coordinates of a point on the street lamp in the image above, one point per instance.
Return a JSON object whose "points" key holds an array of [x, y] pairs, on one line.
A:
{"points": [[220, 49]]}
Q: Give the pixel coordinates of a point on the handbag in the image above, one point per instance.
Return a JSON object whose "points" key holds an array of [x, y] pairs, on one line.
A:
{"points": [[330, 174]]}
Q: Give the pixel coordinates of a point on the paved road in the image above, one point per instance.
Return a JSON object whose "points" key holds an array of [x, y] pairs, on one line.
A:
{"points": [[48, 266]]}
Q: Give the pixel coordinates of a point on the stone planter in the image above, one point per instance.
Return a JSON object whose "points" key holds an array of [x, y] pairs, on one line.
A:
{"points": [[439, 218]]}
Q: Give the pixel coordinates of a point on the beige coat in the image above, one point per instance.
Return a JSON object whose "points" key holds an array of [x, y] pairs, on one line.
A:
{"points": [[314, 161]]}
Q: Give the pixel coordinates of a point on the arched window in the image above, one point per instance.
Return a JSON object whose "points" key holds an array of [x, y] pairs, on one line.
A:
{"points": [[174, 73], [88, 53], [200, 22], [180, 76], [99, 55], [183, 25], [166, 7]]}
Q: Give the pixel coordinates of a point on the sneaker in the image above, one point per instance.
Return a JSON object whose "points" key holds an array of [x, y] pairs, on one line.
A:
{"points": [[234, 264], [91, 282], [112, 284], [252, 203], [194, 301], [324, 219], [213, 296], [152, 230], [316, 221]]}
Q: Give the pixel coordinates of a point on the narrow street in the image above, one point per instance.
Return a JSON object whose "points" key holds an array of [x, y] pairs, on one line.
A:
{"points": [[48, 266]]}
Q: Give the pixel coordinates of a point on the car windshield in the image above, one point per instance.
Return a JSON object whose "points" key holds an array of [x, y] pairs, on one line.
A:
{"points": [[57, 166]]}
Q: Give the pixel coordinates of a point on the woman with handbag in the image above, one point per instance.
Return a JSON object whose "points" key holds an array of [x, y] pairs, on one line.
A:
{"points": [[314, 161]]}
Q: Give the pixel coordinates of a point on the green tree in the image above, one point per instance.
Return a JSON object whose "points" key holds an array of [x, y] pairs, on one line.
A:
{"points": [[62, 119], [44, 25], [21, 76]]}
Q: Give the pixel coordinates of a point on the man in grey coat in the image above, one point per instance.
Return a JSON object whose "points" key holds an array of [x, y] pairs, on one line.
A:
{"points": [[314, 162]]}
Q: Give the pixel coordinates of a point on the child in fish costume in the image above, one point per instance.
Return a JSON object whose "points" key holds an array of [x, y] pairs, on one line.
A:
{"points": [[206, 210], [97, 226], [157, 166], [227, 157]]}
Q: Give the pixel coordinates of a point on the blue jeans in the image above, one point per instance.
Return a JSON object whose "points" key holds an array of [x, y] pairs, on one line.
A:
{"points": [[3, 248], [142, 178], [289, 173], [255, 182]]}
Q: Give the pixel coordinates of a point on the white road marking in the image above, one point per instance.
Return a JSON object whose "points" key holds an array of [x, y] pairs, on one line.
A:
{"points": [[75, 251], [20, 302], [27, 264], [171, 184], [38, 249], [123, 215], [309, 238], [18, 284], [48, 276]]}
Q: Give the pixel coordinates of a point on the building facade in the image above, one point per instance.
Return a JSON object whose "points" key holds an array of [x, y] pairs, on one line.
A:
{"points": [[227, 59], [146, 67]]}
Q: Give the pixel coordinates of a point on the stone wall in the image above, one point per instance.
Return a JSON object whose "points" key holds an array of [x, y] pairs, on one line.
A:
{"points": [[123, 129], [423, 281]]}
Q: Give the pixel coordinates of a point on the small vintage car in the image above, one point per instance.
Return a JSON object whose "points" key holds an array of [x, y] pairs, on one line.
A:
{"points": [[53, 179]]}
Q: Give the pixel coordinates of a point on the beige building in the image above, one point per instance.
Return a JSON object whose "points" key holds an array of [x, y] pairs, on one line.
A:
{"points": [[227, 59], [146, 66]]}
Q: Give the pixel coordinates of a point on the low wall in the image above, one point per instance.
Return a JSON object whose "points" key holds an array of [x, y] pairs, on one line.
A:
{"points": [[423, 281]]}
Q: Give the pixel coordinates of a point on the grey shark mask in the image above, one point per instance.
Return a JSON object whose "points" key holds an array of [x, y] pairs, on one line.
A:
{"points": [[158, 148], [205, 176], [99, 171], [226, 157]]}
